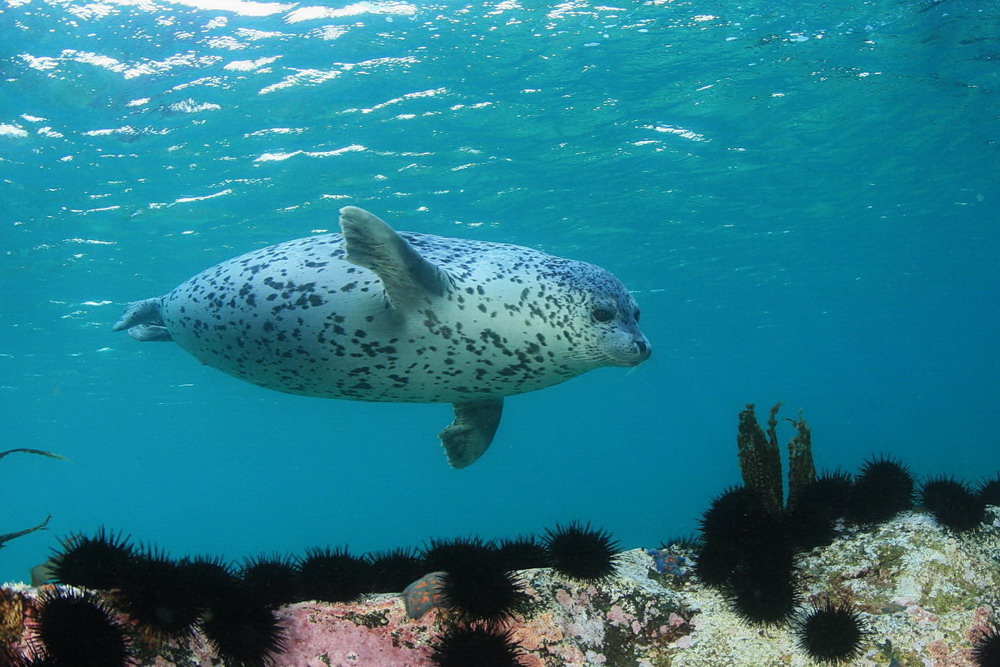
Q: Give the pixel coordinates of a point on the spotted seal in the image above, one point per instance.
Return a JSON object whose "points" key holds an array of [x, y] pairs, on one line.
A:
{"points": [[372, 314]]}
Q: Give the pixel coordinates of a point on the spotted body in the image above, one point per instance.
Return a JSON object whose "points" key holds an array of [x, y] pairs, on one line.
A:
{"points": [[424, 594], [377, 315]]}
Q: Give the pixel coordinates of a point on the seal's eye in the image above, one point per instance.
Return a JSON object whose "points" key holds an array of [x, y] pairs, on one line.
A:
{"points": [[637, 315], [602, 314]]}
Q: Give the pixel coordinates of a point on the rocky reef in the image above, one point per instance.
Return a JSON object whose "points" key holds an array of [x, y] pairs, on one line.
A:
{"points": [[924, 593]]}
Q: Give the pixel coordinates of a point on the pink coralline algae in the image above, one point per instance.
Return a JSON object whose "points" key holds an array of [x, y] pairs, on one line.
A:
{"points": [[373, 633]]}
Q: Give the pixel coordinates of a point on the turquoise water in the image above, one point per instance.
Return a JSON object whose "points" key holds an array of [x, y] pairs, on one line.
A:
{"points": [[803, 197]]}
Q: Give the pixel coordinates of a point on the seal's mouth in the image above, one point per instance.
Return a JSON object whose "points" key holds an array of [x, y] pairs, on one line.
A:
{"points": [[642, 353], [639, 352]]}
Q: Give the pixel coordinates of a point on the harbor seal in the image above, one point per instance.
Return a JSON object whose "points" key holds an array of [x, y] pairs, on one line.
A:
{"points": [[372, 314]]}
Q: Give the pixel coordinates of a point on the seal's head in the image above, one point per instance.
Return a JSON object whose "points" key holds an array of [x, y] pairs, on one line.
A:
{"points": [[606, 318]]}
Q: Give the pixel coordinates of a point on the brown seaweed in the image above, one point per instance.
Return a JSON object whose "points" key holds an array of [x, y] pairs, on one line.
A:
{"points": [[760, 458]]}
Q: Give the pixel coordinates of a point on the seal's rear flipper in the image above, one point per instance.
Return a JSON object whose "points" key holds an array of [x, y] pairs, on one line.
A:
{"points": [[468, 437], [408, 278], [142, 319]]}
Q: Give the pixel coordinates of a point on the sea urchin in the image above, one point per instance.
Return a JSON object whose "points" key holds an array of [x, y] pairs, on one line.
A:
{"points": [[242, 627], [334, 575], [831, 633], [482, 593], [986, 651], [155, 592], [275, 578], [479, 644], [882, 489], [78, 630], [97, 562], [953, 503], [581, 552]]}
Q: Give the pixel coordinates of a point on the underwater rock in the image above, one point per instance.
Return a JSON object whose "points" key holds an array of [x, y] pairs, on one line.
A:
{"points": [[923, 592]]}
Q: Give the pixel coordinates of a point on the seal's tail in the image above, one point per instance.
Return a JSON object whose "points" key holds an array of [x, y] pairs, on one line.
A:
{"points": [[143, 321]]}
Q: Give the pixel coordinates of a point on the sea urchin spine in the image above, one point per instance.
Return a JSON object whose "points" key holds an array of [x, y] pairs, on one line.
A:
{"points": [[581, 552], [79, 630], [831, 633], [478, 644]]}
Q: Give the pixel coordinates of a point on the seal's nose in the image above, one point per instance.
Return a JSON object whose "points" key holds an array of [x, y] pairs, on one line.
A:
{"points": [[644, 349]]}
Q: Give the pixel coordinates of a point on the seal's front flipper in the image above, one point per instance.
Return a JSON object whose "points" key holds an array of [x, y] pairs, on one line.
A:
{"points": [[408, 278], [143, 321], [467, 438]]}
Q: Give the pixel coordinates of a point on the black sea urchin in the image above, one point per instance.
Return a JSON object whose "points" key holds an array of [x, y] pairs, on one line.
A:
{"points": [[205, 576], [764, 592], [482, 593], [740, 534], [523, 552], [445, 555], [831, 633], [986, 650], [78, 630], [11, 657], [952, 503], [817, 505], [274, 578], [733, 513], [96, 562], [334, 575], [581, 552], [242, 628], [989, 491], [395, 569], [479, 645], [882, 489], [154, 592]]}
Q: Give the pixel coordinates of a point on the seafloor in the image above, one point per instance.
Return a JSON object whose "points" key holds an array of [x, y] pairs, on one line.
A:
{"points": [[925, 594]]}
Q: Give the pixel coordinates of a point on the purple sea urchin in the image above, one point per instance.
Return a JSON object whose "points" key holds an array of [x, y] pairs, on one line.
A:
{"points": [[831, 633], [78, 630], [479, 644], [581, 552], [952, 503], [96, 562]]}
